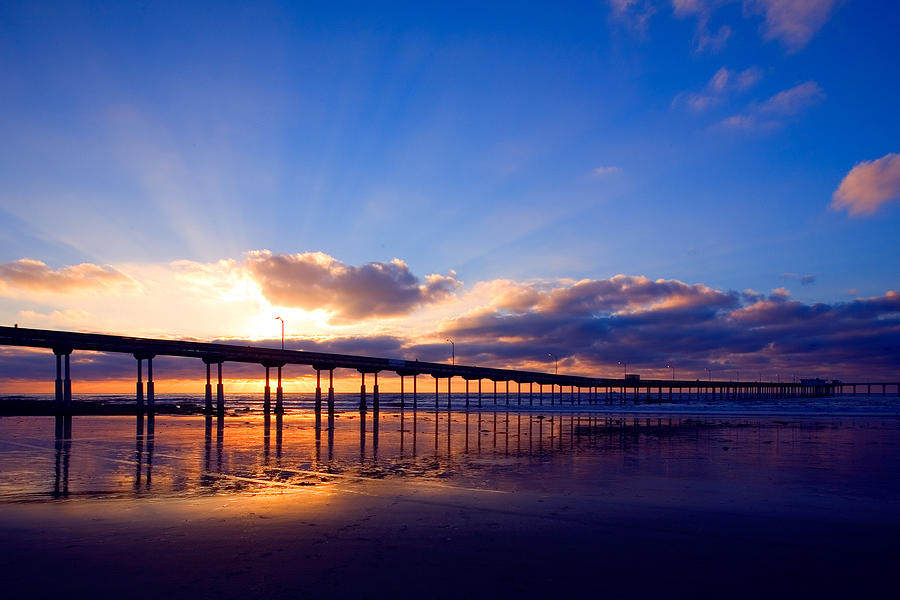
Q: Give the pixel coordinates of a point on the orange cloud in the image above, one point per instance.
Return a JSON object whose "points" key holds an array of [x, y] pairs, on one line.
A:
{"points": [[793, 22], [868, 186], [33, 276]]}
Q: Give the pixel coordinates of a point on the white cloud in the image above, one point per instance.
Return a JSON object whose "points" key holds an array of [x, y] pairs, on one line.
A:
{"points": [[868, 186], [606, 171]]}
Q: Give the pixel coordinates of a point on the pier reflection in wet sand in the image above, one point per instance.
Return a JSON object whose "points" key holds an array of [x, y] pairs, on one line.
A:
{"points": [[177, 455]]}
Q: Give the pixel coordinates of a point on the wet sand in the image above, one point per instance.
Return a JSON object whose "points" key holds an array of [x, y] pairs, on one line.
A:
{"points": [[615, 508]]}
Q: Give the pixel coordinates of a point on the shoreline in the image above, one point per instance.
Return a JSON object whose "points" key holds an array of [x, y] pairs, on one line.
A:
{"points": [[46, 408]]}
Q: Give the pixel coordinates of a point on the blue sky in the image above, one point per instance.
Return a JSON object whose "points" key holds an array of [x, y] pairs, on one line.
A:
{"points": [[691, 140]]}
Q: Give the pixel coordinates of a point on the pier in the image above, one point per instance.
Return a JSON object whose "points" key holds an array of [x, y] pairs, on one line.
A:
{"points": [[529, 387]]}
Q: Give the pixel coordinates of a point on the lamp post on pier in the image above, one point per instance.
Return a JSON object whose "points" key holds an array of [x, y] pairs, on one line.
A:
{"points": [[673, 371], [452, 352], [555, 363], [624, 369], [282, 331]]}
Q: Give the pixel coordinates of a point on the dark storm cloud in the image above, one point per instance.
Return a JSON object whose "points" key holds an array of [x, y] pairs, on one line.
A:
{"points": [[314, 280]]}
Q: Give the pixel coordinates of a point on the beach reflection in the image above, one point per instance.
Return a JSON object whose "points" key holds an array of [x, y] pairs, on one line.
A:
{"points": [[182, 456]]}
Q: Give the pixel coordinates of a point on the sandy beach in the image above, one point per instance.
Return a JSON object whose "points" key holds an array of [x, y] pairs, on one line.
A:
{"points": [[693, 509]]}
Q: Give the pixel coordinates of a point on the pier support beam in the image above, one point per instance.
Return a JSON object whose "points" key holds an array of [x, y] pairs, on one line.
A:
{"points": [[63, 386], [151, 392], [375, 399], [139, 388], [362, 392], [67, 385], [279, 395], [330, 399], [318, 407], [220, 392], [267, 393], [208, 405], [60, 402]]}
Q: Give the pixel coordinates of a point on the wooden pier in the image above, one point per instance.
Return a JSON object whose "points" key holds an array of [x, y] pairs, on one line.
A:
{"points": [[529, 387]]}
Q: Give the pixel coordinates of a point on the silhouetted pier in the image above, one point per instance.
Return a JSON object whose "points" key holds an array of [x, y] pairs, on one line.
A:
{"points": [[529, 385]]}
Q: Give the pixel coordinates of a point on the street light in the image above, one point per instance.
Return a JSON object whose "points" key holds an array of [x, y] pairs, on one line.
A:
{"points": [[708, 374], [673, 371], [282, 331], [452, 352], [556, 366], [624, 369]]}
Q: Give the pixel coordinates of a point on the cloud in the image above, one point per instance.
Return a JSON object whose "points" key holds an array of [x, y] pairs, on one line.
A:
{"points": [[317, 281], [606, 171], [868, 186], [634, 13], [35, 277], [772, 113], [702, 10], [650, 323], [803, 279], [67, 316], [794, 100], [589, 324], [724, 82], [792, 22]]}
